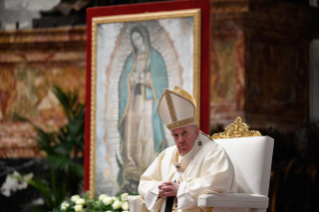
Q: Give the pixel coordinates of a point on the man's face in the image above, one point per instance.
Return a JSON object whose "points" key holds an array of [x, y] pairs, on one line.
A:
{"points": [[185, 138]]}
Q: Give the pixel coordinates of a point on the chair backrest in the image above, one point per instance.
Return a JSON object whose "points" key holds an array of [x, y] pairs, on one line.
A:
{"points": [[251, 158]]}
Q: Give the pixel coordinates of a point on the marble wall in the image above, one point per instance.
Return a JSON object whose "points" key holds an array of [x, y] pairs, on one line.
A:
{"points": [[260, 62], [31, 61], [227, 82]]}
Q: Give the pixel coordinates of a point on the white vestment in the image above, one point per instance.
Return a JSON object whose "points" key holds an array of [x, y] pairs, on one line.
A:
{"points": [[204, 169]]}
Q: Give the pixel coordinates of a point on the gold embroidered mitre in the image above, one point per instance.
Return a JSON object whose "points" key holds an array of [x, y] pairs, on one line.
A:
{"points": [[177, 108]]}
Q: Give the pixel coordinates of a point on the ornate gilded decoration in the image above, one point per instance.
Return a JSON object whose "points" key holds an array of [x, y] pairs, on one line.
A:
{"points": [[236, 130], [170, 106], [180, 123], [209, 209]]}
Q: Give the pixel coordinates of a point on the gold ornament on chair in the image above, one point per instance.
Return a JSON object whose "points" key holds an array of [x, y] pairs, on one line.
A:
{"points": [[209, 209], [236, 130]]}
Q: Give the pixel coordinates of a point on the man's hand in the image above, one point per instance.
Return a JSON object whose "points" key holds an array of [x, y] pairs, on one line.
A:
{"points": [[167, 189]]}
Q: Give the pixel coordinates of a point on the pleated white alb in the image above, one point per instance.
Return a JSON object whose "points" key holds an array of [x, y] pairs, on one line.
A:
{"points": [[205, 169]]}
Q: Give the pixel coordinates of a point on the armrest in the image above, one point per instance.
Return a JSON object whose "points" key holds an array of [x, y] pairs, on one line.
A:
{"points": [[233, 200]]}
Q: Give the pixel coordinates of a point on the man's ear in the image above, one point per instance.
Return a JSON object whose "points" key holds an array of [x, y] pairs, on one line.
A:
{"points": [[197, 131]]}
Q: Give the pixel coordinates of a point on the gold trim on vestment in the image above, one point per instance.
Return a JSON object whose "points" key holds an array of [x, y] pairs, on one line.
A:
{"points": [[181, 123], [184, 94], [170, 105]]}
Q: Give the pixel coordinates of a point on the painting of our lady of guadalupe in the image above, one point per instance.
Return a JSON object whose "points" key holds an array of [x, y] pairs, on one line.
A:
{"points": [[142, 81], [136, 61]]}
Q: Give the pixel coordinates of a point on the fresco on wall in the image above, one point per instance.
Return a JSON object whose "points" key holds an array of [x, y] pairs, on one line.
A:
{"points": [[31, 61], [263, 78], [26, 90], [227, 73], [278, 79]]}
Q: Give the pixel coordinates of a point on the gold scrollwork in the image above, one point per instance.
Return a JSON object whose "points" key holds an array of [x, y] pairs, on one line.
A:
{"points": [[209, 209], [236, 130]]}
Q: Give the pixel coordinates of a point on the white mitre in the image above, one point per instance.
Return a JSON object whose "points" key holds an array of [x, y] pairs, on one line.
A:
{"points": [[177, 108]]}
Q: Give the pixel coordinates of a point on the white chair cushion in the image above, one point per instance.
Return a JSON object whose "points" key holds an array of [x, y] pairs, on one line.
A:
{"points": [[233, 200], [251, 158]]}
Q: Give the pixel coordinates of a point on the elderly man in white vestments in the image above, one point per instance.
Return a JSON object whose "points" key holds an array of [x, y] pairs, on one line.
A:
{"points": [[195, 165]]}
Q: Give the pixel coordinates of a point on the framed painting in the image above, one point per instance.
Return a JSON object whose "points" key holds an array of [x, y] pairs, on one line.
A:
{"points": [[133, 58]]}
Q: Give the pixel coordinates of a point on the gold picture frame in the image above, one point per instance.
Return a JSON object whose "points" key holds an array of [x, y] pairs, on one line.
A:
{"points": [[195, 14]]}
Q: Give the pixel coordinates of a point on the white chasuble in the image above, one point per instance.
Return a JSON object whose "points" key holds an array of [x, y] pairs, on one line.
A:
{"points": [[204, 169]]}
